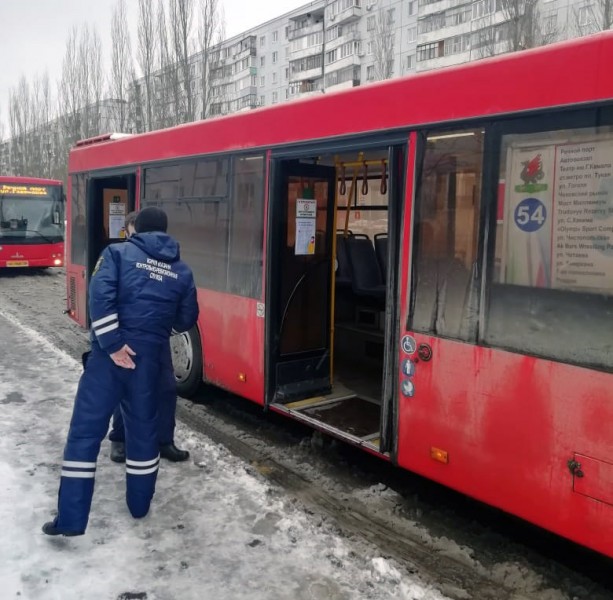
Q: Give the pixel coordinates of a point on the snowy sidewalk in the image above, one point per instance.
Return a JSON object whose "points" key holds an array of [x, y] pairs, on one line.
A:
{"points": [[216, 530]]}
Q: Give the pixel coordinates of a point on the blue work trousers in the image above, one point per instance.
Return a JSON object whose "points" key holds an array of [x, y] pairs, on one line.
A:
{"points": [[101, 387], [167, 398]]}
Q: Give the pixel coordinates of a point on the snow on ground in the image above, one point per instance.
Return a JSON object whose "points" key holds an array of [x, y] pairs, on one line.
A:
{"points": [[216, 528]]}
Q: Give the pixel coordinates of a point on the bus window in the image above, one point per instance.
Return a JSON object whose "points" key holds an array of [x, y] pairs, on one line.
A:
{"points": [[551, 283], [247, 227], [445, 290], [195, 196]]}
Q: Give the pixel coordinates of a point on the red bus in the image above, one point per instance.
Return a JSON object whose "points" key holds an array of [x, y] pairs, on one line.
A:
{"points": [[422, 267], [31, 222]]}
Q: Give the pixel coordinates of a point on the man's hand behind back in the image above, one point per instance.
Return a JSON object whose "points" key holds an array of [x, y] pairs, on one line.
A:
{"points": [[123, 357]]}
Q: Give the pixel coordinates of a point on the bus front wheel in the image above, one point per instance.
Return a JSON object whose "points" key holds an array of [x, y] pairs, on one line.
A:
{"points": [[186, 350]]}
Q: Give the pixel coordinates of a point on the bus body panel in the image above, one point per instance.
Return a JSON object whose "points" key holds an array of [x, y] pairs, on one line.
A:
{"points": [[509, 425], [77, 294], [32, 255], [232, 334]]}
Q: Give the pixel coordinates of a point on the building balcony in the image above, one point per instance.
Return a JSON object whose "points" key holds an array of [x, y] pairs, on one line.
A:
{"points": [[344, 85], [343, 63], [305, 75], [443, 61], [306, 52], [439, 6], [353, 13], [305, 88], [299, 32], [447, 32], [351, 36], [243, 54]]}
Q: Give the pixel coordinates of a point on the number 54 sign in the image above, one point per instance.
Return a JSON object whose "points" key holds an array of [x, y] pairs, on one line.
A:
{"points": [[530, 215]]}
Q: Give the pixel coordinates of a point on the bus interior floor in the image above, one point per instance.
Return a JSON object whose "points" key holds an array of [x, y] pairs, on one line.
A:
{"points": [[350, 414]]}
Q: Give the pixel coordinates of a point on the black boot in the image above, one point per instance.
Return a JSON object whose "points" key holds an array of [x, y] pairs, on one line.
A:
{"points": [[50, 528], [118, 452], [172, 453]]}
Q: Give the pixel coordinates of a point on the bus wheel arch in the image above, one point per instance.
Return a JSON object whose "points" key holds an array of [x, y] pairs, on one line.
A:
{"points": [[186, 351]]}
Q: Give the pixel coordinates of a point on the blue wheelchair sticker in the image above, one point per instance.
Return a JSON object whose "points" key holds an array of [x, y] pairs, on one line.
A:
{"points": [[409, 345]]}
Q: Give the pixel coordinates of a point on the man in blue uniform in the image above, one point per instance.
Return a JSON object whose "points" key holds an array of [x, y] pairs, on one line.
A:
{"points": [[167, 393], [140, 290]]}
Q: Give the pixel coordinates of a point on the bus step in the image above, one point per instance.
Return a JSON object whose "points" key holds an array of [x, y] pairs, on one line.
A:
{"points": [[317, 401]]}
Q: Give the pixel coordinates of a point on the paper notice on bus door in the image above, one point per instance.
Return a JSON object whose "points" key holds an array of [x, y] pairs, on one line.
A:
{"points": [[117, 219], [115, 203], [306, 220]]}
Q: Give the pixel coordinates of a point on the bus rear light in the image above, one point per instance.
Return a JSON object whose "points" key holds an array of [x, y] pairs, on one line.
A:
{"points": [[242, 377], [439, 455], [57, 262]]}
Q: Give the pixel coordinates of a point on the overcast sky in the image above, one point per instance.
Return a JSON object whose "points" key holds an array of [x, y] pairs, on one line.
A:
{"points": [[34, 32]]}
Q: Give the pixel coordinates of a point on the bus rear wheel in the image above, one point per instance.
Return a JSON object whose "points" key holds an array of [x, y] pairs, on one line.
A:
{"points": [[186, 350]]}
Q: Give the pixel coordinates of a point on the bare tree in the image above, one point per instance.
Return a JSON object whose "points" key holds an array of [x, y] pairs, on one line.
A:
{"points": [[69, 92], [516, 25], [121, 65], [96, 80], [382, 37], [147, 52], [166, 79], [211, 32], [20, 123], [593, 16], [524, 25], [90, 80], [1, 128], [182, 13], [47, 119]]}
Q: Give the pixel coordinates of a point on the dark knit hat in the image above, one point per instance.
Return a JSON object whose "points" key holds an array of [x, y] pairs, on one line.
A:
{"points": [[151, 219]]}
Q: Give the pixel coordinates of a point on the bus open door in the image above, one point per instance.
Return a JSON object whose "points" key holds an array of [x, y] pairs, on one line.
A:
{"points": [[98, 208], [331, 313]]}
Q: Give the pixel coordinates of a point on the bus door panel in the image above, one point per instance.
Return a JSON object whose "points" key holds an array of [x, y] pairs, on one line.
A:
{"points": [[109, 200], [437, 350], [76, 248], [300, 281]]}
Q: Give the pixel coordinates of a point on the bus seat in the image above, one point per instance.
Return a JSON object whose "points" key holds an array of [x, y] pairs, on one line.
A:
{"points": [[366, 274], [381, 250]]}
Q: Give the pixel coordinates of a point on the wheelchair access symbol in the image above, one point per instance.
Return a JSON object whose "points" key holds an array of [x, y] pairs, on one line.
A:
{"points": [[409, 345]]}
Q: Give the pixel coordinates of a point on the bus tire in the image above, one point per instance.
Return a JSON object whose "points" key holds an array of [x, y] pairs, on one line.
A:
{"points": [[186, 351]]}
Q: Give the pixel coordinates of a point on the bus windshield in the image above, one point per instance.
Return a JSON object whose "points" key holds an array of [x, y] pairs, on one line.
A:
{"points": [[31, 214]]}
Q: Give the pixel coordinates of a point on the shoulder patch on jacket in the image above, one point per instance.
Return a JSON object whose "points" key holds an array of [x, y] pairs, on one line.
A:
{"points": [[98, 265]]}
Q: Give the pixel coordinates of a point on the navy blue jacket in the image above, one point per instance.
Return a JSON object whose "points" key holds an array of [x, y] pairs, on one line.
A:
{"points": [[141, 290]]}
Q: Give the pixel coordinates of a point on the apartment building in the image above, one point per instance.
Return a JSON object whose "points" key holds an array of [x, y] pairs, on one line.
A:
{"points": [[328, 45]]}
